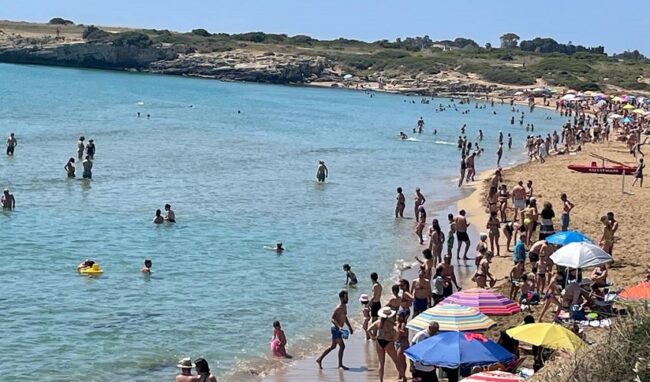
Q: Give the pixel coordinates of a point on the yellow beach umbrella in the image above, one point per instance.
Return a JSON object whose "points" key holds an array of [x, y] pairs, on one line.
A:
{"points": [[628, 107], [552, 336], [616, 99], [638, 111]]}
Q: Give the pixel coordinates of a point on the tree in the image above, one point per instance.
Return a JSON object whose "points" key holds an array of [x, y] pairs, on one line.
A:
{"points": [[201, 32], [488, 46], [92, 33], [60, 21], [509, 41]]}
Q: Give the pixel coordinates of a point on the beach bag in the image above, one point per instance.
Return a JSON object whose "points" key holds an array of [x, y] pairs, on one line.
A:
{"points": [[576, 313]]}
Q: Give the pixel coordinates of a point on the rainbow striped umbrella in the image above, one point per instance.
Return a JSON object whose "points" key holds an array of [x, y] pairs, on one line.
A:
{"points": [[451, 318], [486, 301], [493, 376]]}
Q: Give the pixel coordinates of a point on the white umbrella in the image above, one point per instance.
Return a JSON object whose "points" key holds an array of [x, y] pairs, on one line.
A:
{"points": [[568, 97], [580, 255], [615, 116], [519, 93]]}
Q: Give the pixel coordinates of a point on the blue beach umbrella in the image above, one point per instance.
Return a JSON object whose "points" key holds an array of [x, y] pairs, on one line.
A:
{"points": [[566, 237], [458, 349]]}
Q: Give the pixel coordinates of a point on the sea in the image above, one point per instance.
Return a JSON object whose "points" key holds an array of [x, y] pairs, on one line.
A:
{"points": [[237, 162]]}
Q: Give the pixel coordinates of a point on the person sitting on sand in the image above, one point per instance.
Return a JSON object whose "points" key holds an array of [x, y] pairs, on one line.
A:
{"points": [[599, 275], [69, 168], [350, 277], [146, 268], [321, 172], [279, 341], [529, 294], [186, 366], [158, 219]]}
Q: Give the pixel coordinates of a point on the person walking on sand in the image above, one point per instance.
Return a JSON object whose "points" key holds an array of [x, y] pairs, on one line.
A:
{"points": [[401, 204], [386, 335], [375, 300], [321, 172], [638, 173], [418, 201], [80, 147], [471, 169], [461, 234], [69, 168], [607, 239], [567, 206], [11, 144], [450, 234], [518, 199], [339, 321]]}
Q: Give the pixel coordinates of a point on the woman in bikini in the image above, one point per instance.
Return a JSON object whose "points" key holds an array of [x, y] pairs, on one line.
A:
{"points": [[386, 336], [483, 271], [502, 199], [607, 240], [407, 297], [422, 221], [493, 226], [436, 242], [550, 295], [530, 219], [402, 342], [396, 301]]}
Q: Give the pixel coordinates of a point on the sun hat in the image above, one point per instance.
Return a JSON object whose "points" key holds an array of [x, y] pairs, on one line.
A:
{"points": [[186, 363], [386, 312], [363, 298]]}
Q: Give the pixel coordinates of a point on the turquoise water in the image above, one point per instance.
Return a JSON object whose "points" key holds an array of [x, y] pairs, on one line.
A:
{"points": [[237, 181]]}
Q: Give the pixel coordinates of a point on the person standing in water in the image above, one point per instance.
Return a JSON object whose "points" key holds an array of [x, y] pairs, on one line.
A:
{"points": [[321, 172], [463, 168], [88, 167], [170, 216], [8, 200], [279, 341], [90, 149], [419, 200], [420, 125], [499, 154], [158, 218], [11, 144], [401, 203], [69, 168], [339, 321], [80, 147], [509, 141]]}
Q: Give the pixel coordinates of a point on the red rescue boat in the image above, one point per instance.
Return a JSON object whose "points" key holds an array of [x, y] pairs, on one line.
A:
{"points": [[594, 168]]}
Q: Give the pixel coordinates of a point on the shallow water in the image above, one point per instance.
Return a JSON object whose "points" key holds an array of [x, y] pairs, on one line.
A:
{"points": [[237, 181]]}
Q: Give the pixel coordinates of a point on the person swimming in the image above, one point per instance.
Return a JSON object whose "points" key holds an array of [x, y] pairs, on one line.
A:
{"points": [[278, 247], [146, 268], [350, 277]]}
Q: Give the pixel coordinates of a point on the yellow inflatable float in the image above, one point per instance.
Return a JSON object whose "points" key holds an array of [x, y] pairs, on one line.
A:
{"points": [[95, 270]]}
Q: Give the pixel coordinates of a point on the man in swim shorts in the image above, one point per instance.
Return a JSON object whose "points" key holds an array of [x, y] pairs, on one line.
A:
{"points": [[518, 199], [339, 320], [461, 234], [321, 172], [450, 234], [11, 144], [421, 291], [375, 300]]}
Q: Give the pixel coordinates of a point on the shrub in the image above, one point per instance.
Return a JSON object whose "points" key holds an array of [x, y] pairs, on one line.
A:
{"points": [[60, 21], [510, 76], [137, 39], [92, 33], [201, 32]]}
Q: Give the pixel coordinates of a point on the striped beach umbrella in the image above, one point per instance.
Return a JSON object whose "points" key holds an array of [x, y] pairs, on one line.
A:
{"points": [[640, 291], [451, 318], [486, 301], [493, 376]]}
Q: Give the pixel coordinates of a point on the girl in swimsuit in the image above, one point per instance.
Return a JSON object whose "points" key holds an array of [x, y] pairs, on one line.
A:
{"points": [[550, 296], [386, 336], [402, 342], [503, 197], [493, 225]]}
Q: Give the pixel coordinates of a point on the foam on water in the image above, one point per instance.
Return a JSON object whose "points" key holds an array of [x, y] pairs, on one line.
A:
{"points": [[238, 182]]}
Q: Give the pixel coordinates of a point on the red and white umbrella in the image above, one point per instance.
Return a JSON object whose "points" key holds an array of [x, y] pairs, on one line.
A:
{"points": [[493, 376]]}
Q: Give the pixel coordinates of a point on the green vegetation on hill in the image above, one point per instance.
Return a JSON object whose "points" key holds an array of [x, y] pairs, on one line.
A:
{"points": [[578, 67]]}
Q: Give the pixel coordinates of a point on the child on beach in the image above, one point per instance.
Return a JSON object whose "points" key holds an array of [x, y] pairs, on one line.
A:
{"points": [[279, 341], [365, 313], [350, 277]]}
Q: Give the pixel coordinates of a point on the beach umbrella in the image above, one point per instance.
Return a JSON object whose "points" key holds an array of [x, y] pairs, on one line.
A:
{"points": [[486, 301], [615, 116], [638, 111], [640, 291], [571, 91], [627, 120], [628, 107], [550, 335], [580, 255], [568, 97], [493, 376], [567, 237], [452, 317], [458, 349], [347, 76], [519, 93]]}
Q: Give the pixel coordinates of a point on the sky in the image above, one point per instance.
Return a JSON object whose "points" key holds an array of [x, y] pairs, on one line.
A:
{"points": [[617, 25]]}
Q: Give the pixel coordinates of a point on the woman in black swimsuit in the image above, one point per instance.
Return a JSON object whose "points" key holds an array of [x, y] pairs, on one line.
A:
{"points": [[386, 336]]}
